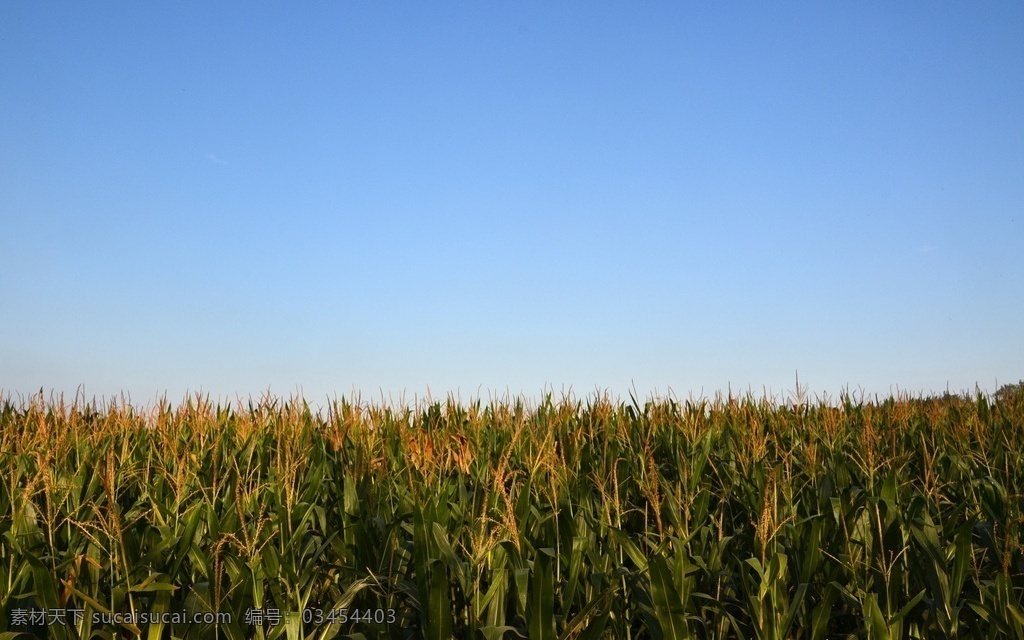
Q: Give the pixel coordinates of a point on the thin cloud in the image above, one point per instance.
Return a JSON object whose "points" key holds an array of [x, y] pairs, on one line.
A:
{"points": [[213, 158]]}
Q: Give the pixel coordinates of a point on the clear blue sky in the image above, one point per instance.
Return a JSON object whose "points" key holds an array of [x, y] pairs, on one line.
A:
{"points": [[492, 196]]}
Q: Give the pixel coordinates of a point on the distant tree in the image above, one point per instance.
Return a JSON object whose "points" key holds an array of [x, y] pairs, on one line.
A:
{"points": [[1009, 392]]}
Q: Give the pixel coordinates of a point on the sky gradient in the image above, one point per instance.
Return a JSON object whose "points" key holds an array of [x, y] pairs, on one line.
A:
{"points": [[483, 198]]}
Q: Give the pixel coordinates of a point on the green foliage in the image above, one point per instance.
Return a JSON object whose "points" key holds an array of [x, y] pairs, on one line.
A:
{"points": [[1010, 393], [730, 518]]}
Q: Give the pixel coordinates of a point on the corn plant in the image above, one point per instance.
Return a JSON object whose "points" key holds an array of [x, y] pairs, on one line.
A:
{"points": [[724, 517]]}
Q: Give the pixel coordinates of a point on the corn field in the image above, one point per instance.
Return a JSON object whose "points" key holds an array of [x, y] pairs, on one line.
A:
{"points": [[712, 518]]}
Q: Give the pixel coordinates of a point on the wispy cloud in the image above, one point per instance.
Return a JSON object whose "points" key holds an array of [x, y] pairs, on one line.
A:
{"points": [[213, 158]]}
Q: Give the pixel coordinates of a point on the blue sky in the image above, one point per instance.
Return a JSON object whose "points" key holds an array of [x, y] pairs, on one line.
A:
{"points": [[497, 197]]}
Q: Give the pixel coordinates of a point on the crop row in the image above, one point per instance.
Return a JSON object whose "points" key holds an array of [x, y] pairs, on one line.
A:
{"points": [[724, 518]]}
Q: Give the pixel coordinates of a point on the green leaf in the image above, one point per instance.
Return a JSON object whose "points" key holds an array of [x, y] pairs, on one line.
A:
{"points": [[910, 605], [877, 628], [161, 605], [155, 582], [522, 580], [495, 633], [578, 621], [822, 613], [579, 546], [541, 608], [451, 559], [962, 557], [595, 629], [439, 608], [668, 605], [630, 548]]}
